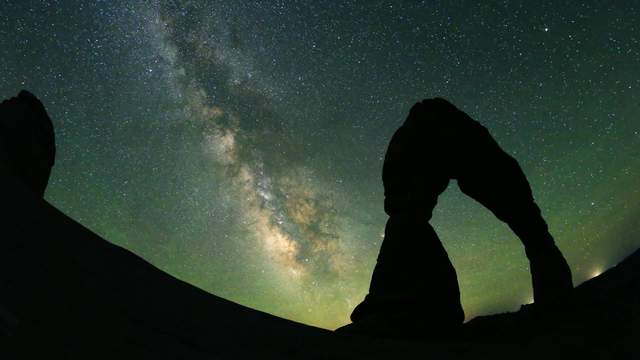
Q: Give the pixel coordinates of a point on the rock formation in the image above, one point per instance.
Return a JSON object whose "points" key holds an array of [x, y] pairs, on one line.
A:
{"points": [[27, 142], [414, 285]]}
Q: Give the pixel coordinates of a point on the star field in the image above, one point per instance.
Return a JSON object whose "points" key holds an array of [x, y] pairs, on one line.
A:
{"points": [[239, 145]]}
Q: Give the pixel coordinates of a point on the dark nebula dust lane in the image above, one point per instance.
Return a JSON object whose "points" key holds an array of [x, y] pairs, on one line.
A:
{"points": [[239, 145]]}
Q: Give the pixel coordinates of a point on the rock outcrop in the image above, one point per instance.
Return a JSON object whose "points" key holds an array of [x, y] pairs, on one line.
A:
{"points": [[27, 141]]}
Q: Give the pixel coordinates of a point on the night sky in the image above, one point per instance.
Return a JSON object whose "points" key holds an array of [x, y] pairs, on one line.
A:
{"points": [[238, 145]]}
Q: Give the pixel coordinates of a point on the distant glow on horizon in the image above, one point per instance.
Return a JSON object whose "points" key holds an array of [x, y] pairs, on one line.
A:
{"points": [[595, 273], [529, 300]]}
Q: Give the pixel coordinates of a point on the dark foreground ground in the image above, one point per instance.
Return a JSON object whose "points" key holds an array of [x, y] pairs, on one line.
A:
{"points": [[67, 293]]}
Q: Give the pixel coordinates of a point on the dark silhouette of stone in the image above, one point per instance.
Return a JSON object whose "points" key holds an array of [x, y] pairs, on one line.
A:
{"points": [[27, 140], [414, 285]]}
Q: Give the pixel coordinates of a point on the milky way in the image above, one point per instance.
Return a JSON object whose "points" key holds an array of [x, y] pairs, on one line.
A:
{"points": [[238, 145]]}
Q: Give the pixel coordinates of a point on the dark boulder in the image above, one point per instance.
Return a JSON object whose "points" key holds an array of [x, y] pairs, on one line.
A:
{"points": [[27, 140]]}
